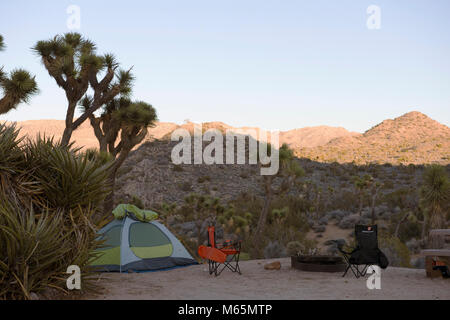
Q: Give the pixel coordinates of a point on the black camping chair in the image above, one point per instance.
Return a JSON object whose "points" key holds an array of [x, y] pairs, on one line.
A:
{"points": [[366, 252]]}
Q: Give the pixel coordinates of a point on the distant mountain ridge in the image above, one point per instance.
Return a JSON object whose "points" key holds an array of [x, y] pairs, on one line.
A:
{"points": [[411, 138], [84, 136]]}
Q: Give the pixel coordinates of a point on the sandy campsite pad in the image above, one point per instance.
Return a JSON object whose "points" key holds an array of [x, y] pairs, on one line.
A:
{"points": [[194, 282]]}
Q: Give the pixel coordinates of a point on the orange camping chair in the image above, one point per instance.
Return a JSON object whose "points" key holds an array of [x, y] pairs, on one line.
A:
{"points": [[226, 255]]}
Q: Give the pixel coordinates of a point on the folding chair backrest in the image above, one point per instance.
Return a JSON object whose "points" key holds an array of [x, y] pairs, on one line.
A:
{"points": [[211, 237], [366, 237]]}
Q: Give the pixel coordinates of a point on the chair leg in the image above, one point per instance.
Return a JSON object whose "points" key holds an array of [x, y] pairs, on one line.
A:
{"points": [[349, 266], [355, 270], [346, 270], [232, 264], [213, 266], [210, 265], [364, 271]]}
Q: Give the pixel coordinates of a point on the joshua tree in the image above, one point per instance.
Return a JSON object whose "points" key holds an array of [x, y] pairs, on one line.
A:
{"points": [[361, 184], [289, 172], [17, 87], [435, 196], [72, 61], [375, 188], [121, 126], [202, 209]]}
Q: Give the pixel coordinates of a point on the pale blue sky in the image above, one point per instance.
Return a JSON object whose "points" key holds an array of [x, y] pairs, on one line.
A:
{"points": [[273, 64]]}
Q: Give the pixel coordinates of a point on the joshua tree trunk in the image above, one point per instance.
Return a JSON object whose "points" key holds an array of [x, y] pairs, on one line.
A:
{"points": [[360, 203], [424, 228], [102, 138], [397, 228], [318, 213], [109, 200], [265, 210], [108, 203], [374, 199], [69, 120]]}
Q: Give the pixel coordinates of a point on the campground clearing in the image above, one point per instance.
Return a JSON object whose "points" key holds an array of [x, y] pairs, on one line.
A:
{"points": [[194, 282]]}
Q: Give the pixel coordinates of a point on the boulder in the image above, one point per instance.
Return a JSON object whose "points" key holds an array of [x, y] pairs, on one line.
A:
{"points": [[276, 265], [319, 228], [188, 227]]}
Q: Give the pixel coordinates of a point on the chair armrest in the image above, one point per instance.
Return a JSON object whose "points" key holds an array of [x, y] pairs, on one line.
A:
{"points": [[231, 245]]}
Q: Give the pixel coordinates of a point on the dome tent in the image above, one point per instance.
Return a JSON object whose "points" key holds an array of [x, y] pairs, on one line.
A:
{"points": [[137, 245]]}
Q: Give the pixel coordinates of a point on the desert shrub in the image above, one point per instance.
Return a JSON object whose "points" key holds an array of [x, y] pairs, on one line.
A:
{"points": [[414, 245], [177, 168], [398, 198], [135, 200], [388, 184], [410, 230], [168, 209], [199, 211], [304, 246], [274, 249], [347, 201], [244, 174], [396, 251], [185, 186], [203, 179], [349, 221], [418, 263], [238, 218], [244, 256], [49, 212]]}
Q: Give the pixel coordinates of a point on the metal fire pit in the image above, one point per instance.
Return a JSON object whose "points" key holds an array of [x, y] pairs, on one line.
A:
{"points": [[318, 263]]}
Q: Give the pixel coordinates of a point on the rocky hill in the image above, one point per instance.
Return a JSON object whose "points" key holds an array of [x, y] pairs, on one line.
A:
{"points": [[150, 175], [411, 138]]}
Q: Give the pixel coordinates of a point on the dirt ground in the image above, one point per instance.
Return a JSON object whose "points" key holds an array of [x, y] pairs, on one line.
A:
{"points": [[194, 282]]}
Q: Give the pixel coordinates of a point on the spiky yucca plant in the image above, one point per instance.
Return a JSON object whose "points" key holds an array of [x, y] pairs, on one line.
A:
{"points": [[435, 196], [32, 250], [49, 204], [67, 177]]}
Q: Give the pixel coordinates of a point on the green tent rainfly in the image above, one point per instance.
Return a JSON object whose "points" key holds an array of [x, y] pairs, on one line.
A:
{"points": [[135, 243], [123, 210]]}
